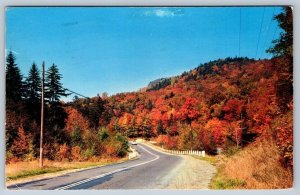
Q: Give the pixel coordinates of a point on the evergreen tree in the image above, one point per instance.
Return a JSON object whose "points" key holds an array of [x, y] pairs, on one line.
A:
{"points": [[33, 85], [53, 86], [55, 114], [14, 84], [283, 46], [33, 92], [160, 128], [14, 94]]}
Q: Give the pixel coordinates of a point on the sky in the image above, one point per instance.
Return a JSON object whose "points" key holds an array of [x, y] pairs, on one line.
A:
{"points": [[122, 49]]}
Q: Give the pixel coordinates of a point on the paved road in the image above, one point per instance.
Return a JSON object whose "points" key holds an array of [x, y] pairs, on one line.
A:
{"points": [[153, 170]]}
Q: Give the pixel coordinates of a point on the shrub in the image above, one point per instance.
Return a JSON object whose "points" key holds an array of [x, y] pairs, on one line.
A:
{"points": [[50, 150], [122, 151], [89, 153], [229, 184], [31, 154], [103, 134], [76, 153], [76, 139], [20, 145], [9, 156], [63, 152]]}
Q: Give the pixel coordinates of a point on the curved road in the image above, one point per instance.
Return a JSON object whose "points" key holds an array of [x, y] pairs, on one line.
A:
{"points": [[151, 171]]}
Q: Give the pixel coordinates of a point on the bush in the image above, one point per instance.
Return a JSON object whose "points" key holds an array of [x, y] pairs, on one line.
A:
{"points": [[63, 152], [76, 139], [20, 145], [50, 150], [31, 154], [111, 149], [230, 151], [89, 153], [229, 184], [76, 153], [103, 134], [9, 156], [124, 145]]}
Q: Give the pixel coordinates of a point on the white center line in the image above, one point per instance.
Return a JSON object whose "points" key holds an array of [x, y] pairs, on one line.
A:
{"points": [[109, 173]]}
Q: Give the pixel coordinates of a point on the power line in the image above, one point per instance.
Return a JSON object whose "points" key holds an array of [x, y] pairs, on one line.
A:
{"points": [[261, 24], [268, 28], [76, 93]]}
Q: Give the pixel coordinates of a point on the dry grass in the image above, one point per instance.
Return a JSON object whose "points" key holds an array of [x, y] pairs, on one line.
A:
{"points": [[19, 170], [255, 167]]}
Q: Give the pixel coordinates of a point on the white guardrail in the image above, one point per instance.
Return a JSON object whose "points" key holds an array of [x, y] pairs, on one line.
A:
{"points": [[186, 152]]}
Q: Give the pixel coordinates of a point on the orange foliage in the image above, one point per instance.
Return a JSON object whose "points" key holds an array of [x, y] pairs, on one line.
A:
{"points": [[63, 152], [76, 153], [217, 130], [75, 119], [20, 145]]}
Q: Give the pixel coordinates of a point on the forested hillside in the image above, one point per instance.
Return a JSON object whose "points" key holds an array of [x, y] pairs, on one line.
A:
{"points": [[222, 105]]}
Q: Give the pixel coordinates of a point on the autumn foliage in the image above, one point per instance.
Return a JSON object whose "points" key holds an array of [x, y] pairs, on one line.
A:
{"points": [[223, 104]]}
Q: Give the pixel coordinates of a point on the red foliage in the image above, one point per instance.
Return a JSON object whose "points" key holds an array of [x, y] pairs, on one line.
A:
{"points": [[75, 119], [233, 109], [189, 110]]}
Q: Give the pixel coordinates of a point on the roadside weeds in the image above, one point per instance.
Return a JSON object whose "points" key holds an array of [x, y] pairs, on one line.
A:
{"points": [[29, 171]]}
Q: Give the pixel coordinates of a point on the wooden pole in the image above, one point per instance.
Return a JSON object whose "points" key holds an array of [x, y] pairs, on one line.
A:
{"points": [[42, 117]]}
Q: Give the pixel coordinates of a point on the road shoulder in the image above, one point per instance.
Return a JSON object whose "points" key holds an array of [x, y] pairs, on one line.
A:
{"points": [[191, 173]]}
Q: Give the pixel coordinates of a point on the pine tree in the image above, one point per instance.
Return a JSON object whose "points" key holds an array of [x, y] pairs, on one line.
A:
{"points": [[33, 92], [283, 46], [55, 115], [53, 86], [33, 85], [14, 84]]}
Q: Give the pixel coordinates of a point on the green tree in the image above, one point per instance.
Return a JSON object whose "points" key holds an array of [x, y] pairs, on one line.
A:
{"points": [[160, 129], [33, 92], [76, 139], [55, 114], [53, 86], [14, 83], [283, 46]]}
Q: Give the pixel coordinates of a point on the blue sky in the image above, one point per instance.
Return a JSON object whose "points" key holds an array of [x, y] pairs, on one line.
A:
{"points": [[123, 49]]}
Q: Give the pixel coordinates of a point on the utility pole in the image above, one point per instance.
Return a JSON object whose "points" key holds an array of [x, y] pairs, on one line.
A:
{"points": [[42, 116]]}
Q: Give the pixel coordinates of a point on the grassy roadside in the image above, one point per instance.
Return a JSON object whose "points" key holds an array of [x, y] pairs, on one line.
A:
{"points": [[21, 170], [211, 159], [253, 167]]}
